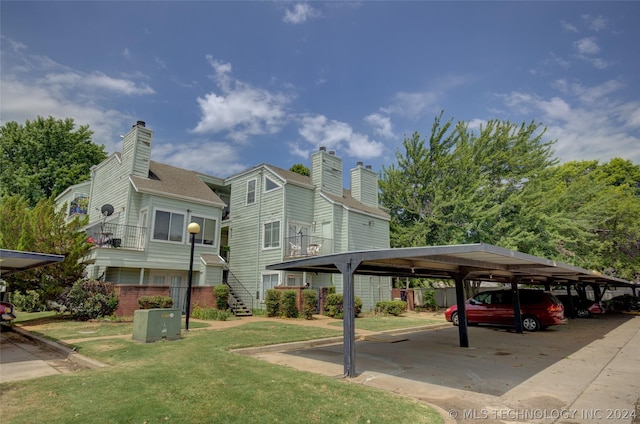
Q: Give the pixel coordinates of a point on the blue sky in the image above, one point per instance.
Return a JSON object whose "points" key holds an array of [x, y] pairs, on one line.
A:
{"points": [[228, 85]]}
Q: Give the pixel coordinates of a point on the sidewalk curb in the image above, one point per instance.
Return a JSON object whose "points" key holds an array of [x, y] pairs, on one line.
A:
{"points": [[71, 354]]}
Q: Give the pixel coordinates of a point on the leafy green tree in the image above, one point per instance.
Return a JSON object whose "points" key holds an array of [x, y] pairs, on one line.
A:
{"points": [[42, 229], [299, 168], [459, 185], [44, 157]]}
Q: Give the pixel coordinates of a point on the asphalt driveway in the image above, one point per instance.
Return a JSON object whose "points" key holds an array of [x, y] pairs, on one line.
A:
{"points": [[566, 374]]}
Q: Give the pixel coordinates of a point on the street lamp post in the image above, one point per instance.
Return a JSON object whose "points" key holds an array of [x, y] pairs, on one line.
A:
{"points": [[193, 229]]}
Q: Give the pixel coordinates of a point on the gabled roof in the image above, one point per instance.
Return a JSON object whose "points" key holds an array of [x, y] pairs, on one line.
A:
{"points": [[170, 181], [350, 203]]}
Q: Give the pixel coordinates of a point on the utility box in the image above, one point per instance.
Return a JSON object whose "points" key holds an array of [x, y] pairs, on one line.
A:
{"points": [[151, 325]]}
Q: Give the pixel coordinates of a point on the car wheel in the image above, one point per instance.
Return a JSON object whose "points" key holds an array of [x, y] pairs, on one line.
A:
{"points": [[583, 313], [454, 318], [530, 323]]}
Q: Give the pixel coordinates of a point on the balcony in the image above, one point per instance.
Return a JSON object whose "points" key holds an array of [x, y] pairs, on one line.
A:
{"points": [[116, 236], [302, 246]]}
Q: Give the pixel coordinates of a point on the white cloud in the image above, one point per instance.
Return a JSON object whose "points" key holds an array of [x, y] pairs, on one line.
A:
{"points": [[300, 13], [587, 123], [126, 53], [381, 124], [335, 135], [595, 23], [213, 158], [568, 26], [587, 46], [240, 108]]}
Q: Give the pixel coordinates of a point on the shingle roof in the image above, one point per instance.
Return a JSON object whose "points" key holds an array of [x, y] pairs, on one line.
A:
{"points": [[175, 182], [346, 199]]}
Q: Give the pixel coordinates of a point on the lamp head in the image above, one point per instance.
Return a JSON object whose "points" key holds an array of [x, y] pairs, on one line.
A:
{"points": [[193, 228]]}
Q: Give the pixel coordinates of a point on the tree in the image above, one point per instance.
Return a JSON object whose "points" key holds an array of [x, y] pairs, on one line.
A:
{"points": [[44, 157], [299, 168], [460, 186], [42, 229]]}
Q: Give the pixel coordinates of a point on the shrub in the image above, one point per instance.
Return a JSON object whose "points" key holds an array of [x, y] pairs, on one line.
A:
{"points": [[334, 306], [89, 299], [31, 301], [309, 300], [429, 300], [222, 296], [211, 314], [154, 302], [272, 301], [392, 307], [288, 306]]}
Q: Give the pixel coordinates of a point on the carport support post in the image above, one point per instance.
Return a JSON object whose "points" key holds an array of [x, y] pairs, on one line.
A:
{"points": [[462, 310], [516, 305], [349, 320]]}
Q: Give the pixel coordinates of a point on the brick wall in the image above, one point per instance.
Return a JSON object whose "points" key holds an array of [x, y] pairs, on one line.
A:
{"points": [[128, 297]]}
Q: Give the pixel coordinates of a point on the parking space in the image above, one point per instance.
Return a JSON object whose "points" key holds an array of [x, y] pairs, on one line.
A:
{"points": [[555, 368]]}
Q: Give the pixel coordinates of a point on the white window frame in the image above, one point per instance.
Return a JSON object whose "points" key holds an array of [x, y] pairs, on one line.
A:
{"points": [[263, 290], [264, 235], [267, 190], [251, 201], [199, 237], [183, 227]]}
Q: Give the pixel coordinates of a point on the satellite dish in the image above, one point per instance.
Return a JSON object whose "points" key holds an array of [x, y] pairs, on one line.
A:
{"points": [[107, 210]]}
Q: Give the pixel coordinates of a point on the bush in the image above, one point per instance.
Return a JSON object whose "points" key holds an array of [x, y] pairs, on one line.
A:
{"points": [[429, 300], [334, 306], [89, 299], [210, 314], [154, 302], [222, 296], [392, 307], [288, 306], [31, 301], [272, 301], [309, 301]]}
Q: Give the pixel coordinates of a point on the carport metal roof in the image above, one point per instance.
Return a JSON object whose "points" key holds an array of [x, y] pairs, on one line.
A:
{"points": [[477, 261], [458, 262], [12, 261]]}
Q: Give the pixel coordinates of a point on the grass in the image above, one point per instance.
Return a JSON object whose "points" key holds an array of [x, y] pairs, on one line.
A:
{"points": [[57, 327], [383, 323], [197, 380]]}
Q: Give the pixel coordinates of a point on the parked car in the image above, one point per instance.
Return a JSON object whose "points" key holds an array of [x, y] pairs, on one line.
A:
{"points": [[7, 310], [539, 309], [623, 303], [582, 308]]}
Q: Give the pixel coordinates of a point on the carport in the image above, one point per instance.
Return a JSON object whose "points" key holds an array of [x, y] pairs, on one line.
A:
{"points": [[12, 261], [481, 262]]}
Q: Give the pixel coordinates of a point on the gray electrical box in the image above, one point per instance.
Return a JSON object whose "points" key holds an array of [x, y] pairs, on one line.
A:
{"points": [[150, 325]]}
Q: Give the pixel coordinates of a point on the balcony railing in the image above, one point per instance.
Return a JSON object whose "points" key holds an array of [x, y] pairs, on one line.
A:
{"points": [[302, 246], [116, 236]]}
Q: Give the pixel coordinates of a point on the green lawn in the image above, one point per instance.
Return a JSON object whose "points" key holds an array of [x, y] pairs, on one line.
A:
{"points": [[383, 323], [197, 380]]}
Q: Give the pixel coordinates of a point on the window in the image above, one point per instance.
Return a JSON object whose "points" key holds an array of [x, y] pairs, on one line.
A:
{"points": [[269, 281], [269, 184], [168, 226], [251, 192], [271, 235], [207, 234]]}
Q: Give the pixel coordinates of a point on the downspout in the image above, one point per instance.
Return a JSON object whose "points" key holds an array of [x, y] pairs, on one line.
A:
{"points": [[259, 232]]}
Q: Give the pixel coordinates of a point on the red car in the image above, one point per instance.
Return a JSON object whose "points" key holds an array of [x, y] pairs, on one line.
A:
{"points": [[7, 311], [539, 309]]}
